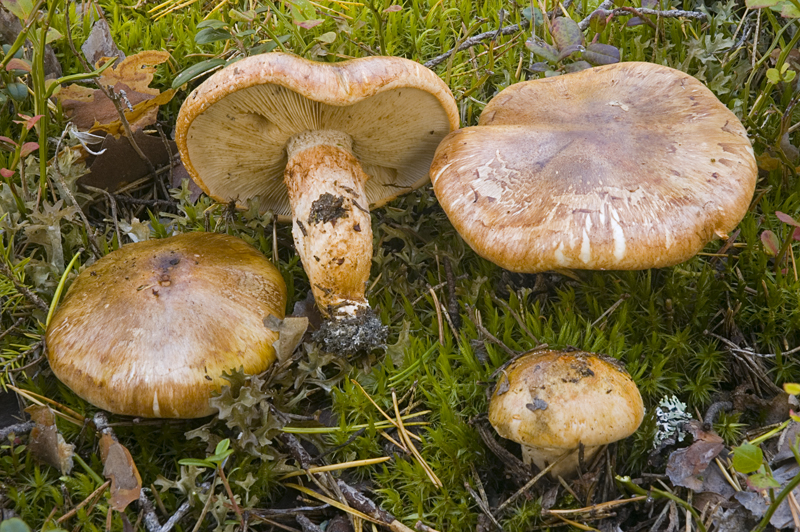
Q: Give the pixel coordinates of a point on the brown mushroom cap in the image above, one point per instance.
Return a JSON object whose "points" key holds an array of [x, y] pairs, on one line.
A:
{"points": [[149, 329], [626, 166], [551, 401], [233, 129]]}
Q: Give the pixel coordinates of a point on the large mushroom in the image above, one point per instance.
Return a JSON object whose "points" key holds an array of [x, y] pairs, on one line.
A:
{"points": [[551, 402], [321, 143], [149, 329], [626, 166]]}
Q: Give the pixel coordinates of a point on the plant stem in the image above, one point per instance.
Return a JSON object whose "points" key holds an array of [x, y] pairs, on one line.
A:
{"points": [[777, 502]]}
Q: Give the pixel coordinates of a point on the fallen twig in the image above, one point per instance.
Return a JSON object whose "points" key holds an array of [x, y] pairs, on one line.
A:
{"points": [[90, 235], [22, 289], [10, 329], [151, 519], [83, 503], [477, 39], [115, 100], [113, 204], [16, 428], [530, 483]]}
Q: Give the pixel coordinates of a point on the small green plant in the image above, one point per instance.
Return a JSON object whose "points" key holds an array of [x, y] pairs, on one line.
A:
{"points": [[569, 43], [773, 245], [787, 8], [221, 453]]}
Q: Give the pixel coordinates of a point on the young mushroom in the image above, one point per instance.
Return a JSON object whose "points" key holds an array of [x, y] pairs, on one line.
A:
{"points": [[320, 144], [626, 166], [550, 402], [149, 329]]}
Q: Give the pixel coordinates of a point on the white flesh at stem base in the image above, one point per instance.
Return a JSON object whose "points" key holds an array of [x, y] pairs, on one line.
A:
{"points": [[567, 468], [330, 219]]}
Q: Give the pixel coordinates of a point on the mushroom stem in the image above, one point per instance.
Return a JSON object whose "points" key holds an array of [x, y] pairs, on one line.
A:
{"points": [[544, 456], [330, 221]]}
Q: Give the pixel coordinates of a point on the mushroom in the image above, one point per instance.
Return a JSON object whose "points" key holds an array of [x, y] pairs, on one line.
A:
{"points": [[626, 166], [550, 402], [149, 329], [321, 143]]}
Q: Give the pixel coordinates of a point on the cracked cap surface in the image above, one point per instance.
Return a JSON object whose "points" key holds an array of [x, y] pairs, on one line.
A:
{"points": [[626, 166]]}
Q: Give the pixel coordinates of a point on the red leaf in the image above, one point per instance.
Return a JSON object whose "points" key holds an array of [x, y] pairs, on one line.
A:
{"points": [[5, 172], [18, 64], [28, 148], [6, 139], [28, 121], [796, 234], [785, 218], [308, 24], [771, 243]]}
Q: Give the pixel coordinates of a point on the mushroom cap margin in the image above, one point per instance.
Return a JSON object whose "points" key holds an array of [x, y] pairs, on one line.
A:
{"points": [[130, 342], [335, 85], [627, 166], [556, 400]]}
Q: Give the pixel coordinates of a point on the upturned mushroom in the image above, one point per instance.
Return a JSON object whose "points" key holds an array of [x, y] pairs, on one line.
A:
{"points": [[550, 402], [321, 144], [626, 166], [149, 329]]}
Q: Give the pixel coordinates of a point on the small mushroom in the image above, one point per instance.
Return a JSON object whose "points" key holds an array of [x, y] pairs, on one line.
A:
{"points": [[550, 402], [319, 144], [627, 166], [149, 329]]}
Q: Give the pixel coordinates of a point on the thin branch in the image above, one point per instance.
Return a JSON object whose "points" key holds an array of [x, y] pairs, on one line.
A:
{"points": [[66, 191], [477, 39], [115, 100], [151, 520], [17, 428], [146, 202], [604, 10], [113, 209], [12, 328], [22, 289], [583, 24]]}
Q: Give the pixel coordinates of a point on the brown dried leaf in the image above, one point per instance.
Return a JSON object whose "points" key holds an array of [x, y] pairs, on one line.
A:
{"points": [[685, 466], [119, 164], [46, 444], [118, 466], [90, 110], [291, 331], [767, 162], [100, 43]]}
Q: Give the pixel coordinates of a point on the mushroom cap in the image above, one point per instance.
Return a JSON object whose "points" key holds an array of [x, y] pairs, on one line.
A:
{"points": [[627, 166], [232, 130], [149, 329], [556, 400]]}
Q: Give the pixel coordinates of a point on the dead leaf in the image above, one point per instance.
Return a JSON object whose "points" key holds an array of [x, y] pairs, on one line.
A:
{"points": [[45, 443], [90, 110], [119, 164], [789, 149], [291, 331], [758, 503], [307, 307], [101, 44], [767, 162], [119, 468], [685, 465], [789, 437], [179, 173]]}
